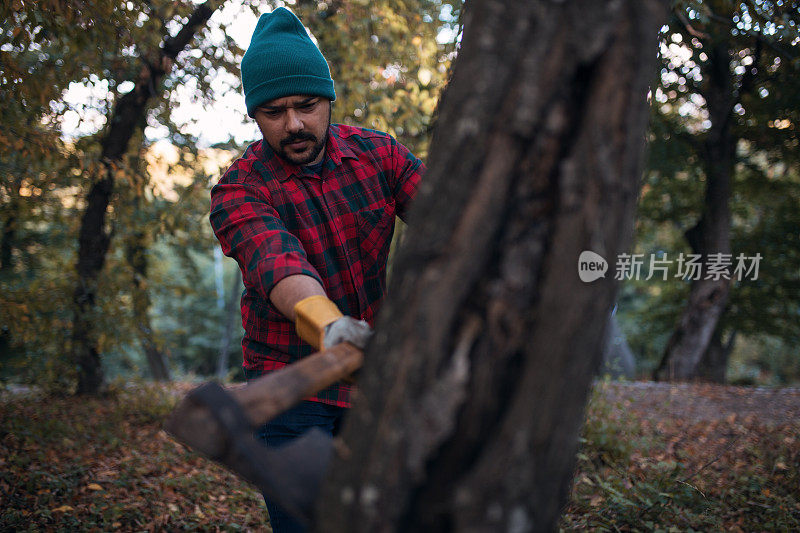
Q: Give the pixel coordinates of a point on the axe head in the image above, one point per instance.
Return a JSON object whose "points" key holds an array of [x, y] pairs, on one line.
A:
{"points": [[289, 475]]}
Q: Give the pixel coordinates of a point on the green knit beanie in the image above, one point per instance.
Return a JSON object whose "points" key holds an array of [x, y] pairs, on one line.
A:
{"points": [[282, 60]]}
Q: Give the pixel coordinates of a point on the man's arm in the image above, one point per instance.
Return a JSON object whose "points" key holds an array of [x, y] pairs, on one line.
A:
{"points": [[318, 320], [274, 262], [250, 230], [292, 289]]}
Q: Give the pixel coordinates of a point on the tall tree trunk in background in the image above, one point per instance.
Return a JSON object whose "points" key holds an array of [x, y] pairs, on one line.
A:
{"points": [[473, 391], [712, 233], [8, 237], [714, 363], [7, 240], [136, 254], [94, 237], [232, 315], [10, 217]]}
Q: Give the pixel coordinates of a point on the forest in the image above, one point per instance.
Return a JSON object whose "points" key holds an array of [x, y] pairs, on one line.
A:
{"points": [[672, 125]]}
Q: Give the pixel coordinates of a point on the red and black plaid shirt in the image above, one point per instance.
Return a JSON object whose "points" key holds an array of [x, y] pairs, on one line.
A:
{"points": [[277, 219]]}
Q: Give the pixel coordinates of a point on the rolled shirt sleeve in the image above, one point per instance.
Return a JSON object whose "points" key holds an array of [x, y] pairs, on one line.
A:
{"points": [[250, 231]]}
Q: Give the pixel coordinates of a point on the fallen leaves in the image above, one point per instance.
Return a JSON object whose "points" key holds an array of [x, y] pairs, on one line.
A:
{"points": [[691, 457], [106, 464]]}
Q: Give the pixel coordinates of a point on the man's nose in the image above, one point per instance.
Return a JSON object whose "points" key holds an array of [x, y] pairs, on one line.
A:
{"points": [[293, 122]]}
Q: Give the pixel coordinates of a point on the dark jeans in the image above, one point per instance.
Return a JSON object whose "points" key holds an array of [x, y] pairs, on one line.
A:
{"points": [[288, 426]]}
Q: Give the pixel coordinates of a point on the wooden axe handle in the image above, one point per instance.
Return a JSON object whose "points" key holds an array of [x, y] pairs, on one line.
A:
{"points": [[264, 398], [270, 395]]}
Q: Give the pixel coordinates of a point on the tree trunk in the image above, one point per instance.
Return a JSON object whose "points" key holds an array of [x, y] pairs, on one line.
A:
{"points": [[10, 218], [232, 314], [707, 297], [8, 238], [473, 390], [136, 252], [714, 363], [94, 238]]}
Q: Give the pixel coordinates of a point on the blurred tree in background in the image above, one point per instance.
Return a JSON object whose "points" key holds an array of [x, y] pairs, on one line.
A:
{"points": [[723, 177], [119, 52], [101, 194]]}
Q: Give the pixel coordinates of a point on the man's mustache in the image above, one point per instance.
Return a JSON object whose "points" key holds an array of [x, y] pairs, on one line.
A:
{"points": [[297, 137]]}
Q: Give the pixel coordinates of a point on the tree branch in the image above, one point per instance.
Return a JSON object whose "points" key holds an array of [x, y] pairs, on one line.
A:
{"points": [[748, 80], [130, 108], [759, 36], [174, 45], [689, 28]]}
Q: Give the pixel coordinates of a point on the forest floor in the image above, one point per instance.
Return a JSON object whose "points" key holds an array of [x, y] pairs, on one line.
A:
{"points": [[653, 457], [688, 457]]}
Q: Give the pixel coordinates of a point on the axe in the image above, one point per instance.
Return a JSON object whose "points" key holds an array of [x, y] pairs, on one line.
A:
{"points": [[220, 423]]}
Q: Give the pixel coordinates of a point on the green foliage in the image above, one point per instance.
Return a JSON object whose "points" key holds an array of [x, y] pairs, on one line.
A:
{"points": [[759, 44], [187, 315], [606, 432], [386, 62], [98, 50], [764, 360], [388, 67]]}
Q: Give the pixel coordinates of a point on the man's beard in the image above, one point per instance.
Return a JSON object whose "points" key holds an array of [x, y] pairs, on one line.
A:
{"points": [[317, 147]]}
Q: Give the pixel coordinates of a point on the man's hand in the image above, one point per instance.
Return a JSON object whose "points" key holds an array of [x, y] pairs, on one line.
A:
{"points": [[320, 323], [347, 329]]}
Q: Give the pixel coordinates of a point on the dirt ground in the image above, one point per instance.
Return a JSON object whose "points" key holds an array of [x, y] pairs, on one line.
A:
{"points": [[708, 402]]}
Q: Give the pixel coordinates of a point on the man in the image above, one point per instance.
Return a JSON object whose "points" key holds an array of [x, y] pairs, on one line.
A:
{"points": [[308, 213]]}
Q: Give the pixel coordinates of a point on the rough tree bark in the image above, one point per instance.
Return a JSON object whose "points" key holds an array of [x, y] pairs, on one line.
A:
{"points": [[690, 341], [473, 390], [94, 237]]}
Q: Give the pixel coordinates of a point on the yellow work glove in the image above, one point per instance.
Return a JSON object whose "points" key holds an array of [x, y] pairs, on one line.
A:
{"points": [[320, 323], [312, 314]]}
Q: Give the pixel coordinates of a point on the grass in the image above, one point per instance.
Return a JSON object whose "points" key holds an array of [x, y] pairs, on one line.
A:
{"points": [[637, 473]]}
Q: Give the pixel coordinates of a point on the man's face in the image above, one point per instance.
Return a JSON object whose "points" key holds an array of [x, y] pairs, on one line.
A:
{"points": [[296, 127]]}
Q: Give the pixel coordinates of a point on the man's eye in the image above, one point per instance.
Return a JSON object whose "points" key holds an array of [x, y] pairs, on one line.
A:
{"points": [[307, 107], [272, 113]]}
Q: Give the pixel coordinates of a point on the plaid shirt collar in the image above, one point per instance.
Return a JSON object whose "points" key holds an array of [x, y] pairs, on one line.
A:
{"points": [[335, 150]]}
